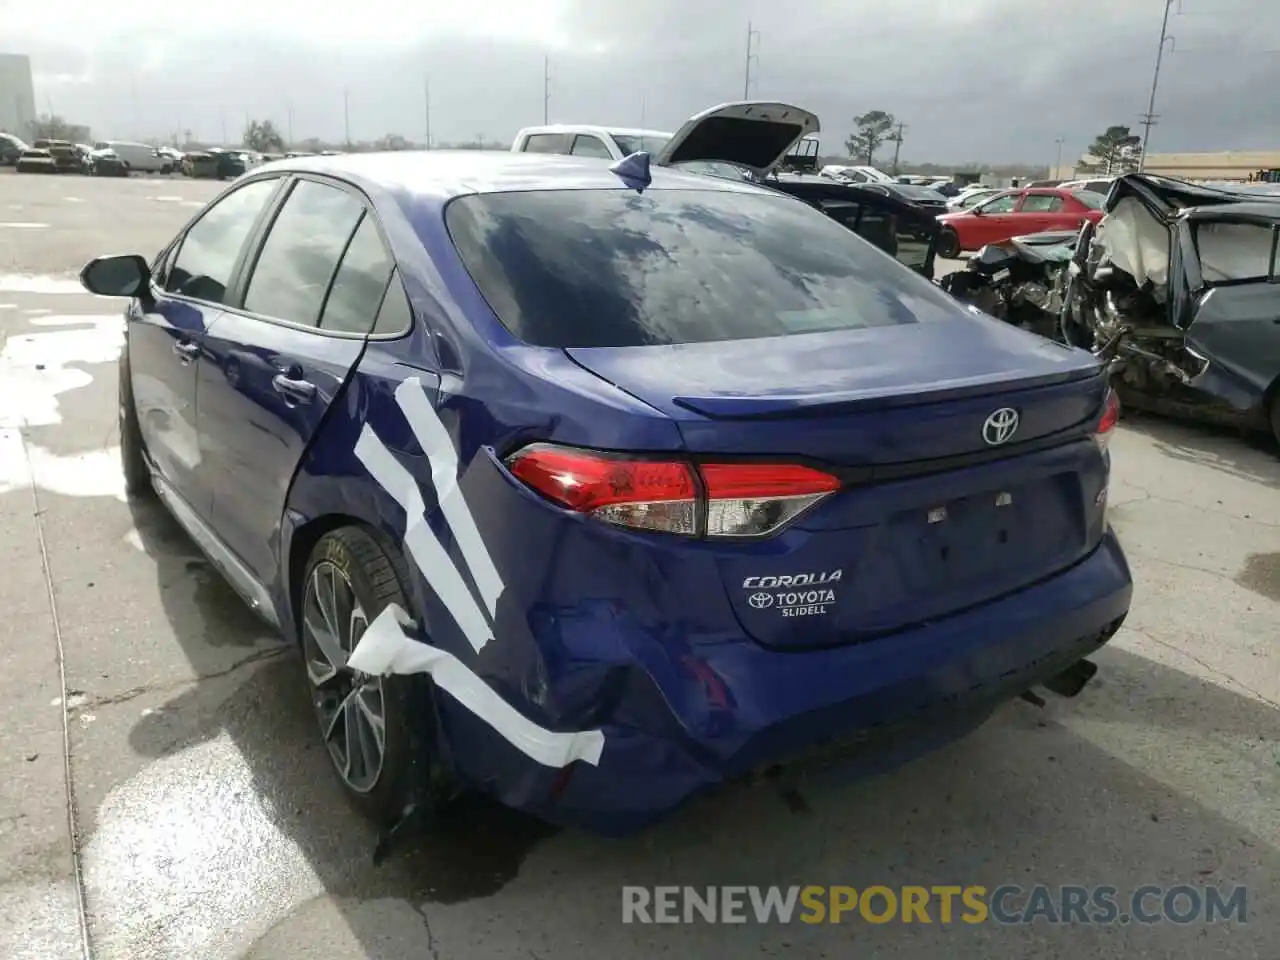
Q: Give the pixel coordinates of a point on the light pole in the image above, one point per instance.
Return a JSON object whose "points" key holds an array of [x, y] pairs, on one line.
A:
{"points": [[753, 45], [1058, 165], [546, 89], [1149, 119], [346, 115]]}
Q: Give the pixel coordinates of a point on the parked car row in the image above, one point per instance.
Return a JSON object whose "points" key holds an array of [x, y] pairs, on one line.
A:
{"points": [[120, 158]]}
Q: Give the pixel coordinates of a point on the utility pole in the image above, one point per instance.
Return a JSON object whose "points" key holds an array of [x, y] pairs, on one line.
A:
{"points": [[546, 89], [753, 56], [346, 115], [897, 145], [1149, 118], [426, 102], [1058, 165]]}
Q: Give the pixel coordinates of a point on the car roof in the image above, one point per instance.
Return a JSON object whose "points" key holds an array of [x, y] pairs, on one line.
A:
{"points": [[443, 174], [593, 128]]}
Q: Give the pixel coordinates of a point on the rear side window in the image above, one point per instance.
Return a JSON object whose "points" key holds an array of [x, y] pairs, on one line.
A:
{"points": [[301, 252], [395, 315], [359, 283], [544, 143], [612, 268], [1233, 251], [212, 246], [588, 146], [1041, 203]]}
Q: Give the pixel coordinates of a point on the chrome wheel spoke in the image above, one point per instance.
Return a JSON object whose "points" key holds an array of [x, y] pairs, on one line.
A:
{"points": [[355, 765], [349, 704], [319, 620], [368, 705], [320, 671]]}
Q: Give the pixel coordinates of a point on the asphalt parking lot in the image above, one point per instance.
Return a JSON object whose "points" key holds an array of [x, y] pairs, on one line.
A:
{"points": [[161, 783]]}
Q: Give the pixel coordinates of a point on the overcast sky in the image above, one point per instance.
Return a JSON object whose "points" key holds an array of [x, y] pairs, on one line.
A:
{"points": [[984, 80]]}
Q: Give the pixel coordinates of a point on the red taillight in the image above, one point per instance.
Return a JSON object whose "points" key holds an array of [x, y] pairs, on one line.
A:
{"points": [[751, 499], [732, 499], [1107, 422], [647, 494]]}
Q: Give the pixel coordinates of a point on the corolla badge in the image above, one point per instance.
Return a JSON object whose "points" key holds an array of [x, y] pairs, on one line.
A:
{"points": [[1000, 426]]}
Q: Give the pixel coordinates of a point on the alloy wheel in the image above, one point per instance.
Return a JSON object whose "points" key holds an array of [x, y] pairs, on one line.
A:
{"points": [[349, 704]]}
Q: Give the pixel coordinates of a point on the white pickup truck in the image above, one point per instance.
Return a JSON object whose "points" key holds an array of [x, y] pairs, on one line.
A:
{"points": [[580, 140]]}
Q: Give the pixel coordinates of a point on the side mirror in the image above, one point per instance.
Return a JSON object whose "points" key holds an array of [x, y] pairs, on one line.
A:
{"points": [[124, 275]]}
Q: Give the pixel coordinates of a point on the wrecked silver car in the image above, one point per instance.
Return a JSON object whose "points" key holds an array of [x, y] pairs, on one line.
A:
{"points": [[1019, 281], [1178, 287]]}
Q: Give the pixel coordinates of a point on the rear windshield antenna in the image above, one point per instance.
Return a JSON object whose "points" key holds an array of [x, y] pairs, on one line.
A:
{"points": [[633, 170]]}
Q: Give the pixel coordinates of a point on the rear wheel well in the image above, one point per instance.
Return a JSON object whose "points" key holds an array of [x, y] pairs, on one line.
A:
{"points": [[304, 541]]}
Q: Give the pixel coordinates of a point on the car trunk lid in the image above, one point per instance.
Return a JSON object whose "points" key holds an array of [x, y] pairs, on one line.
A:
{"points": [[937, 511], [753, 134]]}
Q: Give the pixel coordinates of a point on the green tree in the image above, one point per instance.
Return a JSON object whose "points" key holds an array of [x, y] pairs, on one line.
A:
{"points": [[870, 132], [50, 126], [1116, 151], [262, 136]]}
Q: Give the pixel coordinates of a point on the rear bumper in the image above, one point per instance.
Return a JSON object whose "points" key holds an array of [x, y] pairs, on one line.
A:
{"points": [[686, 717]]}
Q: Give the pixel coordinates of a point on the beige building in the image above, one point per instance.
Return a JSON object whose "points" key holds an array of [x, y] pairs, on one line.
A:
{"points": [[1213, 166], [1232, 165]]}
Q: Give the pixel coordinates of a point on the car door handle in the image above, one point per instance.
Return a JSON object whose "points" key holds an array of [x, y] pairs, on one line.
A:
{"points": [[187, 350], [299, 391]]}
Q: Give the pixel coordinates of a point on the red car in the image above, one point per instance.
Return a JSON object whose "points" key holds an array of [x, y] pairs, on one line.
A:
{"points": [[1015, 213]]}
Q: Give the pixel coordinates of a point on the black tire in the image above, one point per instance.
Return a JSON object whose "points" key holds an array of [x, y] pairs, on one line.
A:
{"points": [[133, 458], [410, 772], [948, 244]]}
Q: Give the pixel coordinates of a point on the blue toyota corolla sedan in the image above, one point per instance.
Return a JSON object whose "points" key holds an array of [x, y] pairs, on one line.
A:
{"points": [[592, 487]]}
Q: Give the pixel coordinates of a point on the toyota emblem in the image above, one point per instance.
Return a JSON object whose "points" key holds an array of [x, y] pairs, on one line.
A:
{"points": [[761, 601], [1000, 426]]}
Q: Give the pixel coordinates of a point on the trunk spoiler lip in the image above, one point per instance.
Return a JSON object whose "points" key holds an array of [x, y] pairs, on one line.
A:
{"points": [[837, 404]]}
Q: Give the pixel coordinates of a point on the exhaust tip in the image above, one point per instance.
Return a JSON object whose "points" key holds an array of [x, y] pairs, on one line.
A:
{"points": [[1072, 680]]}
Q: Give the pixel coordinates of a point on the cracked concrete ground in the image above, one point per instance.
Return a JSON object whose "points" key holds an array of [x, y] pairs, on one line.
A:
{"points": [[207, 824]]}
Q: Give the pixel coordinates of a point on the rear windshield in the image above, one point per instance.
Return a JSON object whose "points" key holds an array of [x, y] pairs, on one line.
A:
{"points": [[1094, 201], [613, 268], [915, 192]]}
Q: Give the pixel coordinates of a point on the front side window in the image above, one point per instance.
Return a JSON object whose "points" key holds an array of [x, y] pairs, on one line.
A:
{"points": [[612, 268], [1001, 204], [212, 245], [301, 252]]}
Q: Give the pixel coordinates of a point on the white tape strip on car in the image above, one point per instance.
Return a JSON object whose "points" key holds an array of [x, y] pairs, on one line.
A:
{"points": [[432, 560], [386, 648], [438, 446]]}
